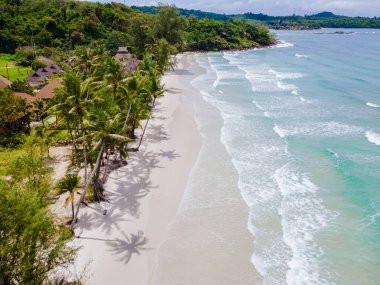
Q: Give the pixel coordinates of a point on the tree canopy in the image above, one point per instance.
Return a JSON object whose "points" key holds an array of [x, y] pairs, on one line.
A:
{"points": [[67, 23]]}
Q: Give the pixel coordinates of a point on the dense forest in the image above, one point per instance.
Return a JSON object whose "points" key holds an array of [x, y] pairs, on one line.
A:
{"points": [[65, 23], [317, 21]]}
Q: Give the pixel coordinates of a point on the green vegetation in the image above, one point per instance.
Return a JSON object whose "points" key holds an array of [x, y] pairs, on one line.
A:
{"points": [[31, 242], [64, 24]]}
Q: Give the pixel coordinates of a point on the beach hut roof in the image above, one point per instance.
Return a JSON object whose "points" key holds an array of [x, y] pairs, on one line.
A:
{"points": [[28, 98], [4, 82], [47, 92], [122, 50], [36, 77]]}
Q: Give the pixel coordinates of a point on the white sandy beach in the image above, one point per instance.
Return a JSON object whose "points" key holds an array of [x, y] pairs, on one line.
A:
{"points": [[145, 238]]}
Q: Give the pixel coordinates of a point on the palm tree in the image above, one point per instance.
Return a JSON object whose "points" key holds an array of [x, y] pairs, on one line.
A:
{"points": [[76, 100], [104, 132], [86, 61], [138, 102], [114, 75], [40, 109], [69, 183], [156, 89]]}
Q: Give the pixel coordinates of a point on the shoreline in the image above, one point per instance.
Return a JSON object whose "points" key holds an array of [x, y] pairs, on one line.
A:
{"points": [[166, 220], [144, 197]]}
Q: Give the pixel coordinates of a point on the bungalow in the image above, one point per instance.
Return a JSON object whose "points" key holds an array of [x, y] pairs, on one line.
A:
{"points": [[122, 54], [36, 79], [4, 82], [42, 75], [47, 92], [129, 62]]}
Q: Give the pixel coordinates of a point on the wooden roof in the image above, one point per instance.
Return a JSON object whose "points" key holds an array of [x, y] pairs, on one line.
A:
{"points": [[47, 92], [4, 82], [28, 98]]}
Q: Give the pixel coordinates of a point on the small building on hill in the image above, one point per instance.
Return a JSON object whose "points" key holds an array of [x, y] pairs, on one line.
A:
{"points": [[47, 92], [4, 82]]}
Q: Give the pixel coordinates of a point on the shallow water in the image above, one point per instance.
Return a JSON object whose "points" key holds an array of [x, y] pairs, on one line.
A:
{"points": [[301, 124]]}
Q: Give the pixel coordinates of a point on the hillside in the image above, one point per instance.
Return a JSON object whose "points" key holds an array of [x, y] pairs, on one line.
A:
{"points": [[317, 21], [65, 24]]}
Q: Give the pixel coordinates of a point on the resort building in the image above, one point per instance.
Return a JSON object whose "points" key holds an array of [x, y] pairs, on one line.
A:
{"points": [[47, 92], [28, 98], [42, 75], [129, 61]]}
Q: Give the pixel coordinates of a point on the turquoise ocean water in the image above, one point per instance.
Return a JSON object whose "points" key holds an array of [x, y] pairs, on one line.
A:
{"points": [[301, 122]]}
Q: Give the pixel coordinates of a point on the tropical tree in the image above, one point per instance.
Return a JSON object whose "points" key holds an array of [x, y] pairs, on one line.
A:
{"points": [[170, 25], [104, 132], [12, 108], [138, 102], [86, 61], [74, 96], [163, 52], [113, 75], [69, 183]]}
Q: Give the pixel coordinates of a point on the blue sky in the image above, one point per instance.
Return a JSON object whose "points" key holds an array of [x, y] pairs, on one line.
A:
{"points": [[273, 7]]}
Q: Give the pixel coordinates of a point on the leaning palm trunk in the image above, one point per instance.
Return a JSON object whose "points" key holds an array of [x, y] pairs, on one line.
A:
{"points": [[126, 119], [142, 136], [85, 163], [88, 182], [98, 187], [72, 206]]}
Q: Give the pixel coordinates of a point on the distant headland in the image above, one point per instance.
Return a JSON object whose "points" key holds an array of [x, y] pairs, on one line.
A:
{"points": [[291, 22]]}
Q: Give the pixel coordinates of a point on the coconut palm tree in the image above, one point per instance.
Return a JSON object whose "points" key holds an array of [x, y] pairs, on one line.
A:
{"points": [[86, 61], [114, 75], [138, 102], [104, 133], [69, 183]]}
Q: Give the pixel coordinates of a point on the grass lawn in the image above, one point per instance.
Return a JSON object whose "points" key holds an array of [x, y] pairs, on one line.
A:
{"points": [[14, 72]]}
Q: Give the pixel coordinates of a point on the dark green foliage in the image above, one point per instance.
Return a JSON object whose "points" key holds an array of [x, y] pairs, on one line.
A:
{"points": [[63, 24], [214, 35], [11, 140]]}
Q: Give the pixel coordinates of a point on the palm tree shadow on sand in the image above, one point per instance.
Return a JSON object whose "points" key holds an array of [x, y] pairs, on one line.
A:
{"points": [[128, 246]]}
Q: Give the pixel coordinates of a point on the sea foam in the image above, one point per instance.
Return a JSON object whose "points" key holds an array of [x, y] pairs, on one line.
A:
{"points": [[373, 137], [281, 132], [369, 104], [283, 44], [302, 55], [303, 215], [286, 75]]}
